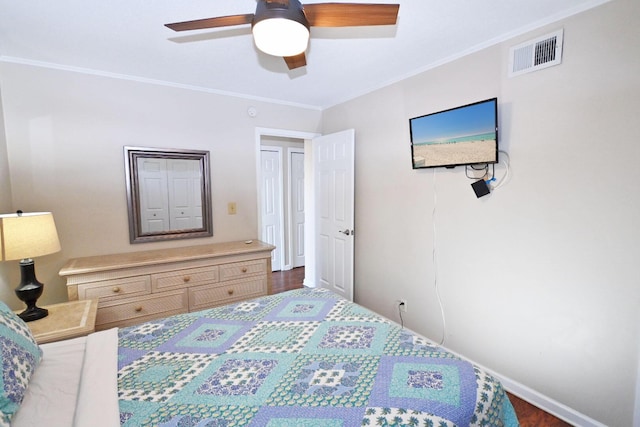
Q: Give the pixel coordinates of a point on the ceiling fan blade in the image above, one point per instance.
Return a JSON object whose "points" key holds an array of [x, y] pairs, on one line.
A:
{"points": [[221, 21], [296, 61], [350, 14]]}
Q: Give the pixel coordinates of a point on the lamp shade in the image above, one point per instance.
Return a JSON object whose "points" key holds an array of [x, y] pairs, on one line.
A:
{"points": [[27, 235], [280, 37], [280, 29]]}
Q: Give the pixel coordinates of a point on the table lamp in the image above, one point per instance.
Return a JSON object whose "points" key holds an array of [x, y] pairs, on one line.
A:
{"points": [[24, 236]]}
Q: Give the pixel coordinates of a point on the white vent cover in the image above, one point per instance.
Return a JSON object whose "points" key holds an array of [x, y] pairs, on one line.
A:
{"points": [[536, 54]]}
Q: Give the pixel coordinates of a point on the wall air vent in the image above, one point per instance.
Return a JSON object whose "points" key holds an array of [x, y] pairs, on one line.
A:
{"points": [[536, 54]]}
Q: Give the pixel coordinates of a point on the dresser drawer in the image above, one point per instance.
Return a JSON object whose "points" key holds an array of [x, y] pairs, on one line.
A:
{"points": [[184, 278], [202, 297], [140, 309], [116, 289], [238, 270]]}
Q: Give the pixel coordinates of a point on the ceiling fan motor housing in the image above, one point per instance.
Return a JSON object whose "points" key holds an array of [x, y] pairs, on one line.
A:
{"points": [[285, 9]]}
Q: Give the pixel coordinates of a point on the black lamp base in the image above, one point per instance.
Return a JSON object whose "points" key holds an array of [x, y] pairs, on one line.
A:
{"points": [[28, 291], [33, 313]]}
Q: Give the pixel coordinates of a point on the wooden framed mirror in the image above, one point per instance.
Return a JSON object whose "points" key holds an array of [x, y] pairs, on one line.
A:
{"points": [[168, 194]]}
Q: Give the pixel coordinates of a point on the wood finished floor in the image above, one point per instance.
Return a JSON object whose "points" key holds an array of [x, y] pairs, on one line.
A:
{"points": [[528, 414]]}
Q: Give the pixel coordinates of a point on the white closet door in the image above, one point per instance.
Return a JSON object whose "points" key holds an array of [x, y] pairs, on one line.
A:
{"points": [[296, 189], [271, 203]]}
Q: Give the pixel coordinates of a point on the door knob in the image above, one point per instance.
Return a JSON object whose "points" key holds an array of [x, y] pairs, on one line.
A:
{"points": [[347, 232]]}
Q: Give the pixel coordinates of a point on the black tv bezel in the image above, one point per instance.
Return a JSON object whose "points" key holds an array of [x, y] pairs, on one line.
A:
{"points": [[453, 165]]}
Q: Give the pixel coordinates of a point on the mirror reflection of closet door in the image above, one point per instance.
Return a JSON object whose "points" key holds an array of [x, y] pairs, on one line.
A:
{"points": [[185, 203], [154, 200], [170, 196]]}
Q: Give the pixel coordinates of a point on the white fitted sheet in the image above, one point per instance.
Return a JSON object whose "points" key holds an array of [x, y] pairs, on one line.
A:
{"points": [[98, 395], [76, 378]]}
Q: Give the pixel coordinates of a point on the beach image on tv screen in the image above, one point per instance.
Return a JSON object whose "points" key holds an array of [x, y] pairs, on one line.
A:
{"points": [[464, 135]]}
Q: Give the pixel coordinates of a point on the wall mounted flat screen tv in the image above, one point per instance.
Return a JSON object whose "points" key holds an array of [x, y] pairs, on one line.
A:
{"points": [[465, 135]]}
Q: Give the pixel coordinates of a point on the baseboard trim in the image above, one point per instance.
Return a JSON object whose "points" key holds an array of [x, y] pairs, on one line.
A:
{"points": [[547, 404]]}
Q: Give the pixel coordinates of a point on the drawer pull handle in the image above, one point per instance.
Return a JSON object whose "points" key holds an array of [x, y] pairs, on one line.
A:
{"points": [[244, 269], [116, 289], [138, 309], [186, 278], [230, 291]]}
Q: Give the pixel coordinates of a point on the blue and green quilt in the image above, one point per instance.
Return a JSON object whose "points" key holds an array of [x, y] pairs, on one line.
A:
{"points": [[301, 358]]}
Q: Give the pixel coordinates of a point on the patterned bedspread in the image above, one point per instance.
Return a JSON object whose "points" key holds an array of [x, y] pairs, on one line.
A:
{"points": [[302, 358]]}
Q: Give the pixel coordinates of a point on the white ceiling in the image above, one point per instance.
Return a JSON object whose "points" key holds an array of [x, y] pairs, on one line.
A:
{"points": [[128, 38]]}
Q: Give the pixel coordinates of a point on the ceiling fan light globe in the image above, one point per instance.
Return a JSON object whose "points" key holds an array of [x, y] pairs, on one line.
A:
{"points": [[280, 36]]}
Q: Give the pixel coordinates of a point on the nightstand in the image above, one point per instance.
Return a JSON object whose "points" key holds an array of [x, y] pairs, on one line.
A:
{"points": [[65, 320]]}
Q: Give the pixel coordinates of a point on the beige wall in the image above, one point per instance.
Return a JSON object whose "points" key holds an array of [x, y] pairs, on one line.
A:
{"points": [[65, 134], [5, 181], [539, 281], [6, 288]]}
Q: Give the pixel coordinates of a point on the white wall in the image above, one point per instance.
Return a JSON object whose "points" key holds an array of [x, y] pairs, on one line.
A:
{"points": [[539, 281], [65, 134]]}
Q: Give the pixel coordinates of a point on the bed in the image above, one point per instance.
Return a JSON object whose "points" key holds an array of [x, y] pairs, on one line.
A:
{"points": [[301, 358]]}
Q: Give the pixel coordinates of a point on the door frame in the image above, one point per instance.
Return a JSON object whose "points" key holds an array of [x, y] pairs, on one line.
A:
{"points": [[309, 204]]}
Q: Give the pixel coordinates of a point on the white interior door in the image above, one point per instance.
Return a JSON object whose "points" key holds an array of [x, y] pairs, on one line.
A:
{"points": [[296, 206], [334, 195], [271, 203]]}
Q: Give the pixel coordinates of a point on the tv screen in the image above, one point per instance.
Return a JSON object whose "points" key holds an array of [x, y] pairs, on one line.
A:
{"points": [[465, 135]]}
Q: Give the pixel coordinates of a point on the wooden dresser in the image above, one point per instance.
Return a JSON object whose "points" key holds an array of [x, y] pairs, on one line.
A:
{"points": [[139, 286]]}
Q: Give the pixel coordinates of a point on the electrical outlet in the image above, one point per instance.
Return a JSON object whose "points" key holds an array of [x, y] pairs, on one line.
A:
{"points": [[402, 303]]}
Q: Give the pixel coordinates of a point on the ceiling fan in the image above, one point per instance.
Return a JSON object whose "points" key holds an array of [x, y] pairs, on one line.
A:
{"points": [[281, 27]]}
